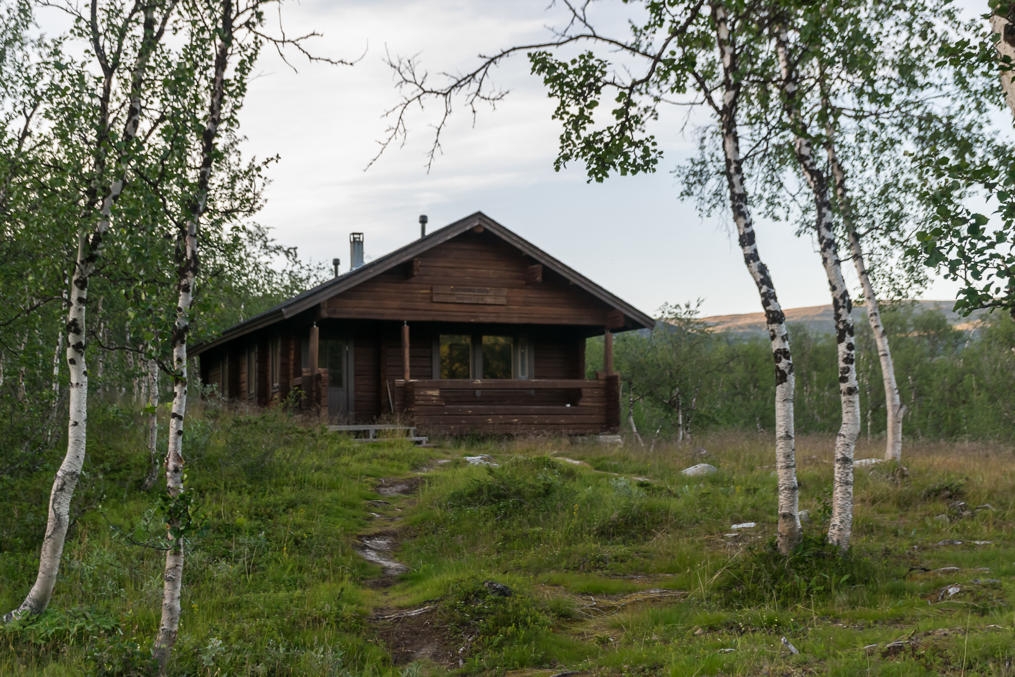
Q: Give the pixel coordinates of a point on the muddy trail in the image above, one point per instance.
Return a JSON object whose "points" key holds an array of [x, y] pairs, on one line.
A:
{"points": [[413, 634], [424, 633]]}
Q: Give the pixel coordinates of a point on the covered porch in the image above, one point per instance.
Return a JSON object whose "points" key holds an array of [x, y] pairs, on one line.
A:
{"points": [[450, 378]]}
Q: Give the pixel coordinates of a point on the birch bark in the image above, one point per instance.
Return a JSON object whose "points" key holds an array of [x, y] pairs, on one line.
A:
{"points": [[841, 523], [789, 531], [187, 253], [630, 419], [1005, 31], [88, 251], [893, 401]]}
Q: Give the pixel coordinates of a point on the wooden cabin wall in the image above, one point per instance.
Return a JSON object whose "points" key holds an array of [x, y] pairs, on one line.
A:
{"points": [[492, 282]]}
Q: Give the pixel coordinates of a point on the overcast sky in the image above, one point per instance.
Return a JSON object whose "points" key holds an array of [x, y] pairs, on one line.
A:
{"points": [[632, 235]]}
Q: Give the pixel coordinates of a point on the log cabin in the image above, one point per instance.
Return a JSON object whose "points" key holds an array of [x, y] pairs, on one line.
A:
{"points": [[469, 329]]}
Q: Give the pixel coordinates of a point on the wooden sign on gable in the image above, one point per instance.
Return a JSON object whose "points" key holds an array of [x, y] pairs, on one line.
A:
{"points": [[487, 296]]}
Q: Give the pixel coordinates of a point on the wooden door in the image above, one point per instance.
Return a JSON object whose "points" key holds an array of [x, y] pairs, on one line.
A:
{"points": [[336, 357]]}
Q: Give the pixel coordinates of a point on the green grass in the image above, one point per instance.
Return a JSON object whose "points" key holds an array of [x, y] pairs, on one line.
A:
{"points": [[616, 566]]}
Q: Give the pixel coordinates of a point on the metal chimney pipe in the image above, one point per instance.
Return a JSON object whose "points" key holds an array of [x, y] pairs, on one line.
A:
{"points": [[336, 264], [422, 225], [355, 250]]}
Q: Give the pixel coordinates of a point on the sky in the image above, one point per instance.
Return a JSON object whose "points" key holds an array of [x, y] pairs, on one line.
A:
{"points": [[632, 235]]}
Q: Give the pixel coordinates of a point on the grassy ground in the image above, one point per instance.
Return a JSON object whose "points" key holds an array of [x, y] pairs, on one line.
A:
{"points": [[614, 565]]}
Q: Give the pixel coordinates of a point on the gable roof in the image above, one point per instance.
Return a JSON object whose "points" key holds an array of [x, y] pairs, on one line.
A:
{"points": [[310, 298]]}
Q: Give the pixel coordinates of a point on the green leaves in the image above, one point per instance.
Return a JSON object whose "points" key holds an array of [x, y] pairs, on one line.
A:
{"points": [[606, 144]]}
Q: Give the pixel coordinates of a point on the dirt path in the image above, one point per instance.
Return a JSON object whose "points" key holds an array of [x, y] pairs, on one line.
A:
{"points": [[410, 634], [420, 633]]}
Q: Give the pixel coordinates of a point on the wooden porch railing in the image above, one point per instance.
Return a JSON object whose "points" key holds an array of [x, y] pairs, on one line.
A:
{"points": [[566, 406]]}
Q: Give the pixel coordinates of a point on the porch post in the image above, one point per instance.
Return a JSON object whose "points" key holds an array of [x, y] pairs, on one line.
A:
{"points": [[313, 350], [405, 351], [608, 352]]}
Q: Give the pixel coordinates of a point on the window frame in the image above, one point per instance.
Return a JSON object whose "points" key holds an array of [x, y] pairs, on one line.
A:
{"points": [[275, 361], [522, 360]]}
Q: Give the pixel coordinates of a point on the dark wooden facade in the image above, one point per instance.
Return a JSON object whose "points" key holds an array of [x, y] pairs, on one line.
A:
{"points": [[367, 345]]}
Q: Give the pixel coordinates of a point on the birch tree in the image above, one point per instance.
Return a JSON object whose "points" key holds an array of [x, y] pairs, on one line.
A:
{"points": [[840, 525], [122, 42], [1002, 26], [230, 46]]}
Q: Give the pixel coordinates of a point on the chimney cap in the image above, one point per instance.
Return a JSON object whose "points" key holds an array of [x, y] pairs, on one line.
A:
{"points": [[423, 219], [355, 237]]}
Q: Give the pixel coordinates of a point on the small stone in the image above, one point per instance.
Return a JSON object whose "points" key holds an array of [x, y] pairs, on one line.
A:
{"points": [[986, 506], [482, 459], [698, 632], [948, 541], [743, 525], [498, 589], [893, 648], [701, 452], [957, 506], [942, 518], [699, 470], [986, 581], [981, 542], [733, 536], [948, 592], [728, 649], [946, 570], [572, 461]]}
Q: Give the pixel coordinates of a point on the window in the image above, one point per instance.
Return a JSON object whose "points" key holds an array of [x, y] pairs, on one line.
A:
{"points": [[251, 371], [496, 356], [455, 355], [485, 356], [275, 353]]}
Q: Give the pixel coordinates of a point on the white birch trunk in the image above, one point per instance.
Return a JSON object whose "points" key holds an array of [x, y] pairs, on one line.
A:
{"points": [[893, 401], [89, 248], [70, 470], [187, 272], [630, 419], [789, 531], [1005, 31], [841, 523], [55, 385]]}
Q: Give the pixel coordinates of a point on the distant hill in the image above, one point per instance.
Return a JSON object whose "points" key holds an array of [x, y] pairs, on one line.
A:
{"points": [[819, 320]]}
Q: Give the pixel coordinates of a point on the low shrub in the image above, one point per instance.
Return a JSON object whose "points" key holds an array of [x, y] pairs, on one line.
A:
{"points": [[814, 570]]}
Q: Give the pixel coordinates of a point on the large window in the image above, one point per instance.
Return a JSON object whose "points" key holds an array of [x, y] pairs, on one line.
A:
{"points": [[482, 356], [496, 356], [455, 356]]}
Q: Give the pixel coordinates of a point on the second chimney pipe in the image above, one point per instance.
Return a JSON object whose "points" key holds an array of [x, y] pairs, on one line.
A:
{"points": [[355, 250], [336, 264], [422, 225]]}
